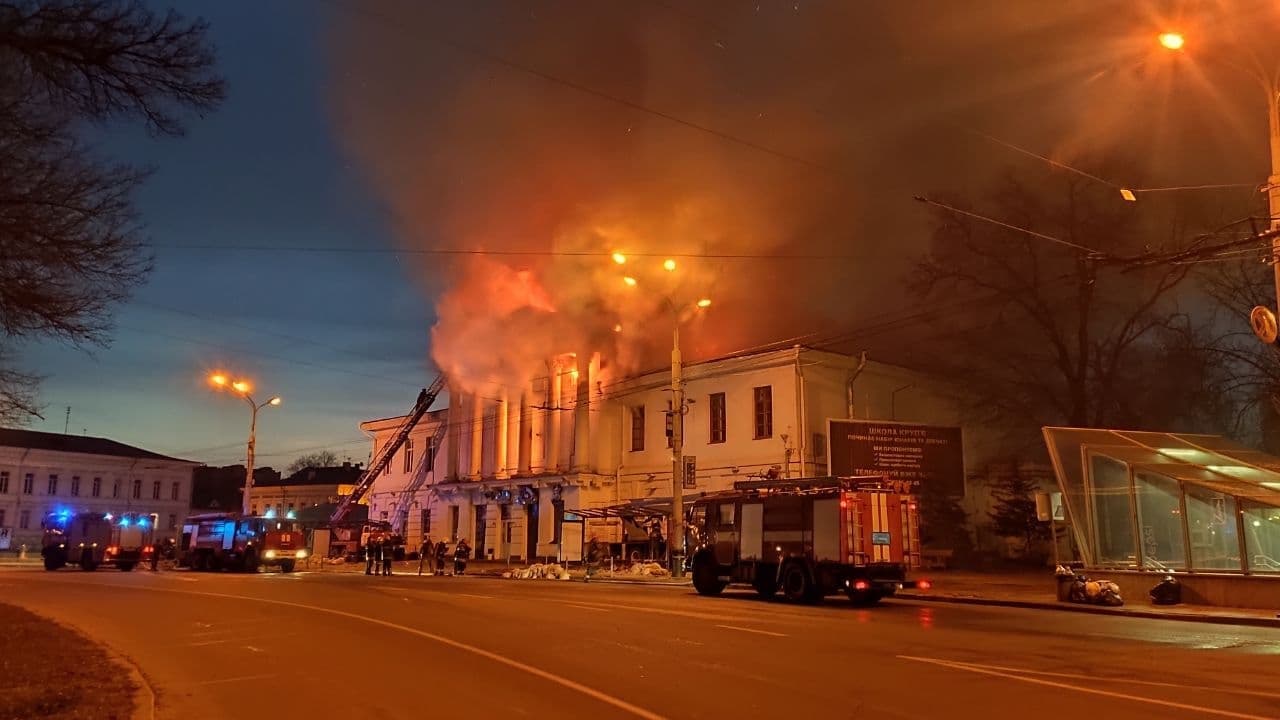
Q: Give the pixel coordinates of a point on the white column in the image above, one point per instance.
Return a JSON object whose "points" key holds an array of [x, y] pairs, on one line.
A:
{"points": [[453, 436], [500, 441], [477, 436], [525, 449], [553, 426], [582, 415], [515, 432]]}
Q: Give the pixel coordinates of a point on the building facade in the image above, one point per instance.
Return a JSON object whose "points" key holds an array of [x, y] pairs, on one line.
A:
{"points": [[44, 472], [307, 488], [507, 462]]}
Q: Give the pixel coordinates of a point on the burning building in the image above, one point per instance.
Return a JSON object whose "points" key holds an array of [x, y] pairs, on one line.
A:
{"points": [[509, 460]]}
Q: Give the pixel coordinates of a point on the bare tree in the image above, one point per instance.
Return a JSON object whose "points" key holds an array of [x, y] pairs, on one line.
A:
{"points": [[1062, 336], [70, 240], [323, 458]]}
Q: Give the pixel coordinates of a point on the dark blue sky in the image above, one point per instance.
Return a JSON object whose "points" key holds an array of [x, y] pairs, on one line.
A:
{"points": [[263, 170]]}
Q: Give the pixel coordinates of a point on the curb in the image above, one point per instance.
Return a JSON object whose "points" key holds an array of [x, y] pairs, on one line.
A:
{"points": [[1097, 610]]}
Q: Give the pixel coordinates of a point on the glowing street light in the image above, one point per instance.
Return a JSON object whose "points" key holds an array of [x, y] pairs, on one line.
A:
{"points": [[669, 265], [630, 281], [620, 258], [704, 303], [1172, 40], [243, 387]]}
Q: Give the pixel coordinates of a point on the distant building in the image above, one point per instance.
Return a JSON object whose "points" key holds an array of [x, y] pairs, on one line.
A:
{"points": [[308, 488], [220, 488], [511, 460], [45, 472]]}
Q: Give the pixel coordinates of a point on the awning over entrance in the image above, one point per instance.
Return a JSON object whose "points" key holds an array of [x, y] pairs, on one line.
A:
{"points": [[1168, 501]]}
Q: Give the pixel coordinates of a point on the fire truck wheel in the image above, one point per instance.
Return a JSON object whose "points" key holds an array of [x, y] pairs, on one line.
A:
{"points": [[52, 563], [250, 562], [705, 579], [766, 586], [286, 566], [797, 586], [125, 566], [87, 563]]}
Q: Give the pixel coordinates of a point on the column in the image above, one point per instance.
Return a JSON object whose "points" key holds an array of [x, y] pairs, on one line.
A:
{"points": [[553, 426], [525, 449], [500, 423], [515, 433], [582, 415], [477, 436], [453, 436]]}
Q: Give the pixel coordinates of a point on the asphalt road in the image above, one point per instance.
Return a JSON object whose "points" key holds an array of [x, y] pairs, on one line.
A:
{"points": [[319, 645]]}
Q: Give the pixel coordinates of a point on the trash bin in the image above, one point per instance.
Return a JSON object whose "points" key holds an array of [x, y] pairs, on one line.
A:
{"points": [[1167, 592], [1064, 578]]}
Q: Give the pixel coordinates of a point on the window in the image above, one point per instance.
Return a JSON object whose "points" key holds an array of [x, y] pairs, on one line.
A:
{"points": [[137, 488], [637, 428], [1, 517], [173, 521], [28, 483], [1160, 521], [253, 509], [24, 519], [717, 433], [97, 487], [75, 486], [175, 491], [426, 523], [453, 521], [1211, 525], [820, 448], [290, 507], [726, 513], [1262, 534], [115, 489], [408, 455], [764, 412], [53, 484], [4, 484], [155, 490], [386, 469], [1112, 513]]}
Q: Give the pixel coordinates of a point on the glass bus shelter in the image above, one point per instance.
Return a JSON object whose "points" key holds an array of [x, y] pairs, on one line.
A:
{"points": [[1167, 502]]}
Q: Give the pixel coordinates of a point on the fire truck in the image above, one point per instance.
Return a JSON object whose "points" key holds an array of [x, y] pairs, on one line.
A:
{"points": [[214, 541], [807, 538], [350, 538], [90, 539]]}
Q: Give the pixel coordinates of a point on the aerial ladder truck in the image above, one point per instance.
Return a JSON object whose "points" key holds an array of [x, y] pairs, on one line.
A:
{"points": [[347, 535]]}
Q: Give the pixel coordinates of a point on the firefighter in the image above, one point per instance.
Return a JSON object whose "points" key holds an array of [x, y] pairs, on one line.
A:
{"points": [[460, 554], [442, 551], [388, 552], [595, 551], [155, 558], [370, 555], [424, 555]]}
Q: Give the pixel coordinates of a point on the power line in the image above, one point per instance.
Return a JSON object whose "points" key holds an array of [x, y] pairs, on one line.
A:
{"points": [[497, 59], [339, 249], [1015, 228]]}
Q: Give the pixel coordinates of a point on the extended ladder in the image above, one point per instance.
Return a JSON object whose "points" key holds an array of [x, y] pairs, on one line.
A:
{"points": [[425, 469], [383, 457]]}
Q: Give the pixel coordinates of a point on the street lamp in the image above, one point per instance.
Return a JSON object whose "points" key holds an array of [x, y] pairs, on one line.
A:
{"points": [[242, 388], [675, 529], [1269, 81]]}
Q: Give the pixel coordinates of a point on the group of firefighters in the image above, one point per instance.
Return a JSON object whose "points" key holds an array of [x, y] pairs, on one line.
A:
{"points": [[378, 555]]}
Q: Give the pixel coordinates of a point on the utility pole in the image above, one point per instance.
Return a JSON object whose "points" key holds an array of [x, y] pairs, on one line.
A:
{"points": [[66, 425], [675, 534], [1273, 182]]}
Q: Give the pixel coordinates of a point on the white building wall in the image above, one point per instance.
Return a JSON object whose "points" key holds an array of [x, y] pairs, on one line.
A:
{"points": [[609, 471], [117, 475]]}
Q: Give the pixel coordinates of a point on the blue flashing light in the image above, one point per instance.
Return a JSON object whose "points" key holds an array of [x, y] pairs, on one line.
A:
{"points": [[291, 515], [124, 522], [142, 522], [271, 512], [108, 517]]}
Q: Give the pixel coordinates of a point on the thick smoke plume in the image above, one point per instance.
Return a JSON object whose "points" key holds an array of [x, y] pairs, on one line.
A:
{"points": [[470, 152]]}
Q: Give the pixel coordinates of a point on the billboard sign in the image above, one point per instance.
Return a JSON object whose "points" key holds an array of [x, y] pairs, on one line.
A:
{"points": [[911, 453]]}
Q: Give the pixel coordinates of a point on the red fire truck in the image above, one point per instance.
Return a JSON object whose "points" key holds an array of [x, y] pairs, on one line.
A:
{"points": [[213, 541], [91, 539], [808, 538]]}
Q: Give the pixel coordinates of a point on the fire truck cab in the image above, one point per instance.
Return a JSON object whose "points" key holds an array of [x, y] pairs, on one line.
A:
{"points": [[213, 541], [90, 539], [807, 538]]}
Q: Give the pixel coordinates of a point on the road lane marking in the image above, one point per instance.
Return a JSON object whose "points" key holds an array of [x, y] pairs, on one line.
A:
{"points": [[242, 678], [751, 630], [537, 672], [984, 670], [253, 649], [586, 607], [207, 642], [1134, 681]]}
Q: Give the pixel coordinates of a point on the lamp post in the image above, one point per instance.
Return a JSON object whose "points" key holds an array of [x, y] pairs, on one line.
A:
{"points": [[675, 526], [1269, 82], [242, 388]]}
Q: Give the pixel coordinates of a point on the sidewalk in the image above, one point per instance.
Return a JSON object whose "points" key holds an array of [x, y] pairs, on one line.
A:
{"points": [[1036, 590], [496, 568]]}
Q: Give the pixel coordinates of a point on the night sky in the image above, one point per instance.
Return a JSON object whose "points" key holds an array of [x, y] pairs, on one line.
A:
{"points": [[344, 119]]}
